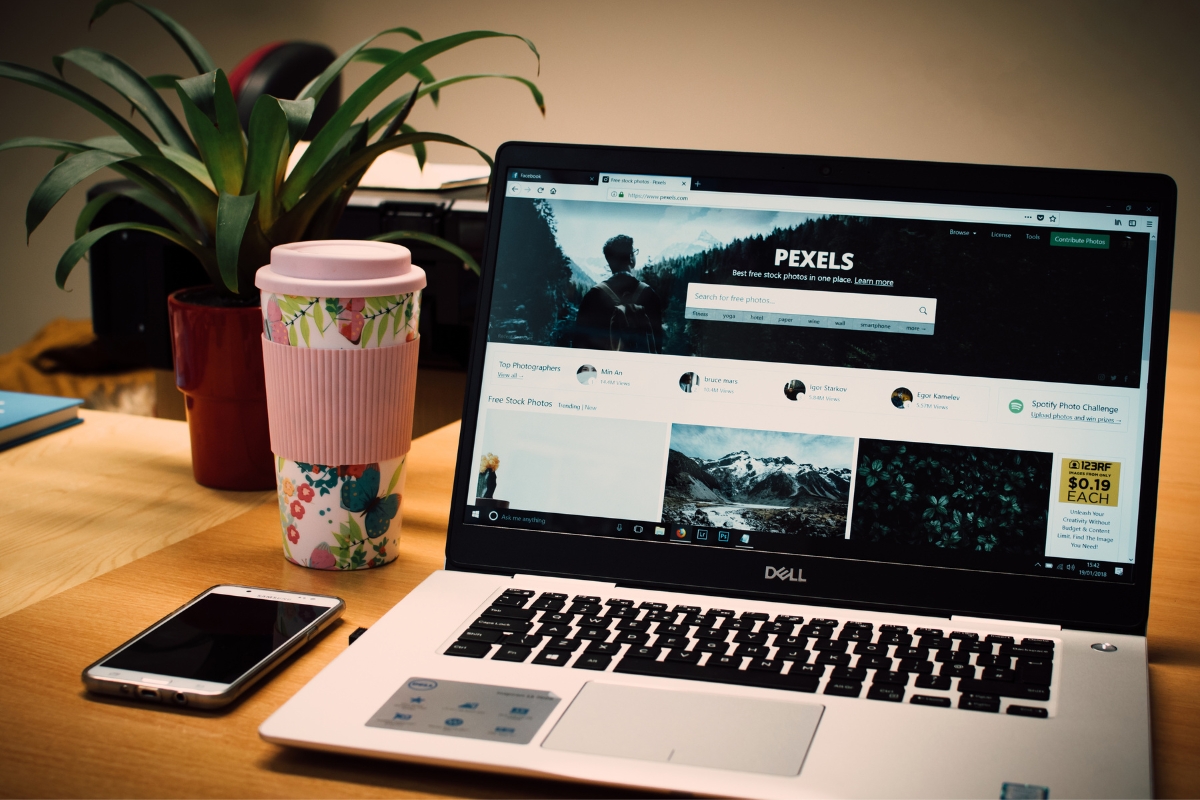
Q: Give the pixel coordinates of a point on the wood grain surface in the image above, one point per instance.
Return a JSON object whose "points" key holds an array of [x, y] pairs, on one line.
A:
{"points": [[88, 499], [56, 741]]}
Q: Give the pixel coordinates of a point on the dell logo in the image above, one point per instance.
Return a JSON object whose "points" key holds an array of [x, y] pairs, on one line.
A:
{"points": [[785, 574]]}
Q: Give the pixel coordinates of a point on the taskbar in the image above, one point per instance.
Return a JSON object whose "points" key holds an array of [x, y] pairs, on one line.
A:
{"points": [[496, 513]]}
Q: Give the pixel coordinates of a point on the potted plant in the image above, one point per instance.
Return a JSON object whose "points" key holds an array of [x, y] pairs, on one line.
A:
{"points": [[228, 197]]}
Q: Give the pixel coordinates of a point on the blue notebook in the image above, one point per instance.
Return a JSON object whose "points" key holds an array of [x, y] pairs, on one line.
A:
{"points": [[27, 416]]}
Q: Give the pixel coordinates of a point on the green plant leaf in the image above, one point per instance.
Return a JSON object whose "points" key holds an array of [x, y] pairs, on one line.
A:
{"points": [[317, 87], [193, 166], [42, 80], [319, 316], [389, 111], [382, 55], [233, 213], [304, 329], [60, 180], [81, 245], [268, 135], [146, 198], [211, 114], [366, 333], [165, 81], [436, 241], [299, 114], [190, 44], [418, 147], [125, 80], [324, 142], [198, 197], [380, 330]]}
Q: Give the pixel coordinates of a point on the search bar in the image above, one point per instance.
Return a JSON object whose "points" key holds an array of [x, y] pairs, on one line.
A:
{"points": [[804, 308]]}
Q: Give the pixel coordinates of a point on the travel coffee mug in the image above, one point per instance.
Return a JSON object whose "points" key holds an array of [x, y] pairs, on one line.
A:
{"points": [[340, 354]]}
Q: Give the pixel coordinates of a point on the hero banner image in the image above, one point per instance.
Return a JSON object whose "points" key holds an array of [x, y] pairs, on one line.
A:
{"points": [[913, 390]]}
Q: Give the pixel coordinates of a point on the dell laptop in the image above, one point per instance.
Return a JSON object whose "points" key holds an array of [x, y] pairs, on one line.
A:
{"points": [[788, 476]]}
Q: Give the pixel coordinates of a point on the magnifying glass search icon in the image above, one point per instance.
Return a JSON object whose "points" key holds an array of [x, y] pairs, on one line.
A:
{"points": [[923, 311]]}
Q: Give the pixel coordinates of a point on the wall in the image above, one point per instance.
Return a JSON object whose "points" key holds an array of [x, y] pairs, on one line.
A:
{"points": [[1069, 84]]}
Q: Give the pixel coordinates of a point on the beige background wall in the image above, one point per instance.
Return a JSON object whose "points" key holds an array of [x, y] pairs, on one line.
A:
{"points": [[1067, 84]]}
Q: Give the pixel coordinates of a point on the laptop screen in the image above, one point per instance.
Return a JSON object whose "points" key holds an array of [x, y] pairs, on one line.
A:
{"points": [[710, 363]]}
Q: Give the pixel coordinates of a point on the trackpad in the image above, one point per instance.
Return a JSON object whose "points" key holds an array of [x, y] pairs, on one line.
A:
{"points": [[701, 730]]}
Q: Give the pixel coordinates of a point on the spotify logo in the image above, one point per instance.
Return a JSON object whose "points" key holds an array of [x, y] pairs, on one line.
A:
{"points": [[1015, 406]]}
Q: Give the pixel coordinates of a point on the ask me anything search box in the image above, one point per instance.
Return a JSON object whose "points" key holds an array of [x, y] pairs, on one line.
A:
{"points": [[765, 305]]}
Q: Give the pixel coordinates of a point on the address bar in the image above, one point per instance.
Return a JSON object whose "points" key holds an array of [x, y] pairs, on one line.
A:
{"points": [[893, 308]]}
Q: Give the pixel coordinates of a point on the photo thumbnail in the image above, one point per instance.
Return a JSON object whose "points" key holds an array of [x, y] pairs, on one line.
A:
{"points": [[791, 483], [586, 374], [902, 398], [951, 497], [688, 381]]}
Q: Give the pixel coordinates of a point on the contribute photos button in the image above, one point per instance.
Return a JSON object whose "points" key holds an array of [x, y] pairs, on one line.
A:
{"points": [[1097, 241]]}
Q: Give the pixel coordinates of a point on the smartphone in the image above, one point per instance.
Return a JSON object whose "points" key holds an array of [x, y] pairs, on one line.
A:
{"points": [[214, 648]]}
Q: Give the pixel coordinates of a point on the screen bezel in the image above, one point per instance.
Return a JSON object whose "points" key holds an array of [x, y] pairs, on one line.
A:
{"points": [[860, 584]]}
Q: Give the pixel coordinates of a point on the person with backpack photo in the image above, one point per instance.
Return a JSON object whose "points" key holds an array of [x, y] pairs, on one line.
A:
{"points": [[621, 313]]}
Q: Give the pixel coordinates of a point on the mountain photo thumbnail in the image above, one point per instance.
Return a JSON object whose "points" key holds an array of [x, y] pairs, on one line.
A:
{"points": [[791, 483]]}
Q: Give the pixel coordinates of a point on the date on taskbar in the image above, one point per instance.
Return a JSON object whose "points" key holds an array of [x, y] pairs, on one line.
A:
{"points": [[494, 514]]}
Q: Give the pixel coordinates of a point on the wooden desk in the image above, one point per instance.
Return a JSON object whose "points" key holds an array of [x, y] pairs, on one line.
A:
{"points": [[56, 741]]}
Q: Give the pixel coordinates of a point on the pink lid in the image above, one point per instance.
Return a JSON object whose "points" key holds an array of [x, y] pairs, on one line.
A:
{"points": [[340, 268]]}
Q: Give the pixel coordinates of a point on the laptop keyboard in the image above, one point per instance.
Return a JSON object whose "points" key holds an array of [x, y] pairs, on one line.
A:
{"points": [[890, 663]]}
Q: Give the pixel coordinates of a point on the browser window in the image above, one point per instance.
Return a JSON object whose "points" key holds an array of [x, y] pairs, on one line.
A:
{"points": [[702, 363]]}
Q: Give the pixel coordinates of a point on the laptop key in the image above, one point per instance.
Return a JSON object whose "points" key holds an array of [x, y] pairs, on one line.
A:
{"points": [[710, 646], [673, 642], [510, 652], [526, 593], [790, 641], [585, 598], [836, 659], [849, 673], [874, 662], [929, 700], [609, 648], [753, 650], [585, 608], [596, 661], [954, 657], [998, 674], [843, 688], [1035, 671], [894, 678], [957, 671], [715, 634], [808, 670], [967, 637], [686, 609], [543, 604], [757, 616], [886, 691], [1046, 644], [506, 625], [653, 606], [560, 643], [1027, 711], [980, 702], [528, 640], [789, 618], [739, 625], [554, 630], [765, 665], [503, 612], [516, 601], [911, 652], [933, 632], [633, 625], [472, 635], [940, 643], [641, 651], [632, 637], [746, 637], [723, 662], [592, 622], [830, 646], [660, 615], [898, 639], [983, 648], [1001, 640], [915, 665], [553, 658], [469, 649], [941, 682], [893, 629], [1001, 662], [556, 618], [856, 635], [684, 656], [615, 602], [720, 612], [792, 654], [622, 612], [1023, 691], [592, 634], [868, 649]]}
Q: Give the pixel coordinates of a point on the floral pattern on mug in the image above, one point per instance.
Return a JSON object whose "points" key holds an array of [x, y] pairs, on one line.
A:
{"points": [[341, 323], [343, 517]]}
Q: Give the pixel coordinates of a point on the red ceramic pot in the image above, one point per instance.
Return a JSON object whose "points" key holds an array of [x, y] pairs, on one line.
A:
{"points": [[217, 342]]}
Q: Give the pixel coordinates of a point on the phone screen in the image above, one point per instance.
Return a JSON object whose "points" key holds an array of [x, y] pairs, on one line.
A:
{"points": [[217, 639]]}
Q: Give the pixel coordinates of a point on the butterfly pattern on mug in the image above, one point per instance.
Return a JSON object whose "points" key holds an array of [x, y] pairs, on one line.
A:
{"points": [[339, 517]]}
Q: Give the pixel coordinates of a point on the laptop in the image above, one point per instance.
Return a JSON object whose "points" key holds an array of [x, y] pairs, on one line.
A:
{"points": [[790, 476]]}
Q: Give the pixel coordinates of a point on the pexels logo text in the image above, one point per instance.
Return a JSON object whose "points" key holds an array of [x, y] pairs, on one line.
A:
{"points": [[814, 259], [785, 574]]}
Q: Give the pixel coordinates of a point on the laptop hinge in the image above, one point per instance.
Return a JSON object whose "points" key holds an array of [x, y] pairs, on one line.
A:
{"points": [[1005, 623]]}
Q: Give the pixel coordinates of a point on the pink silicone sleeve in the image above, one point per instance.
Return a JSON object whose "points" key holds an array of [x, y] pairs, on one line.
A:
{"points": [[335, 407]]}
